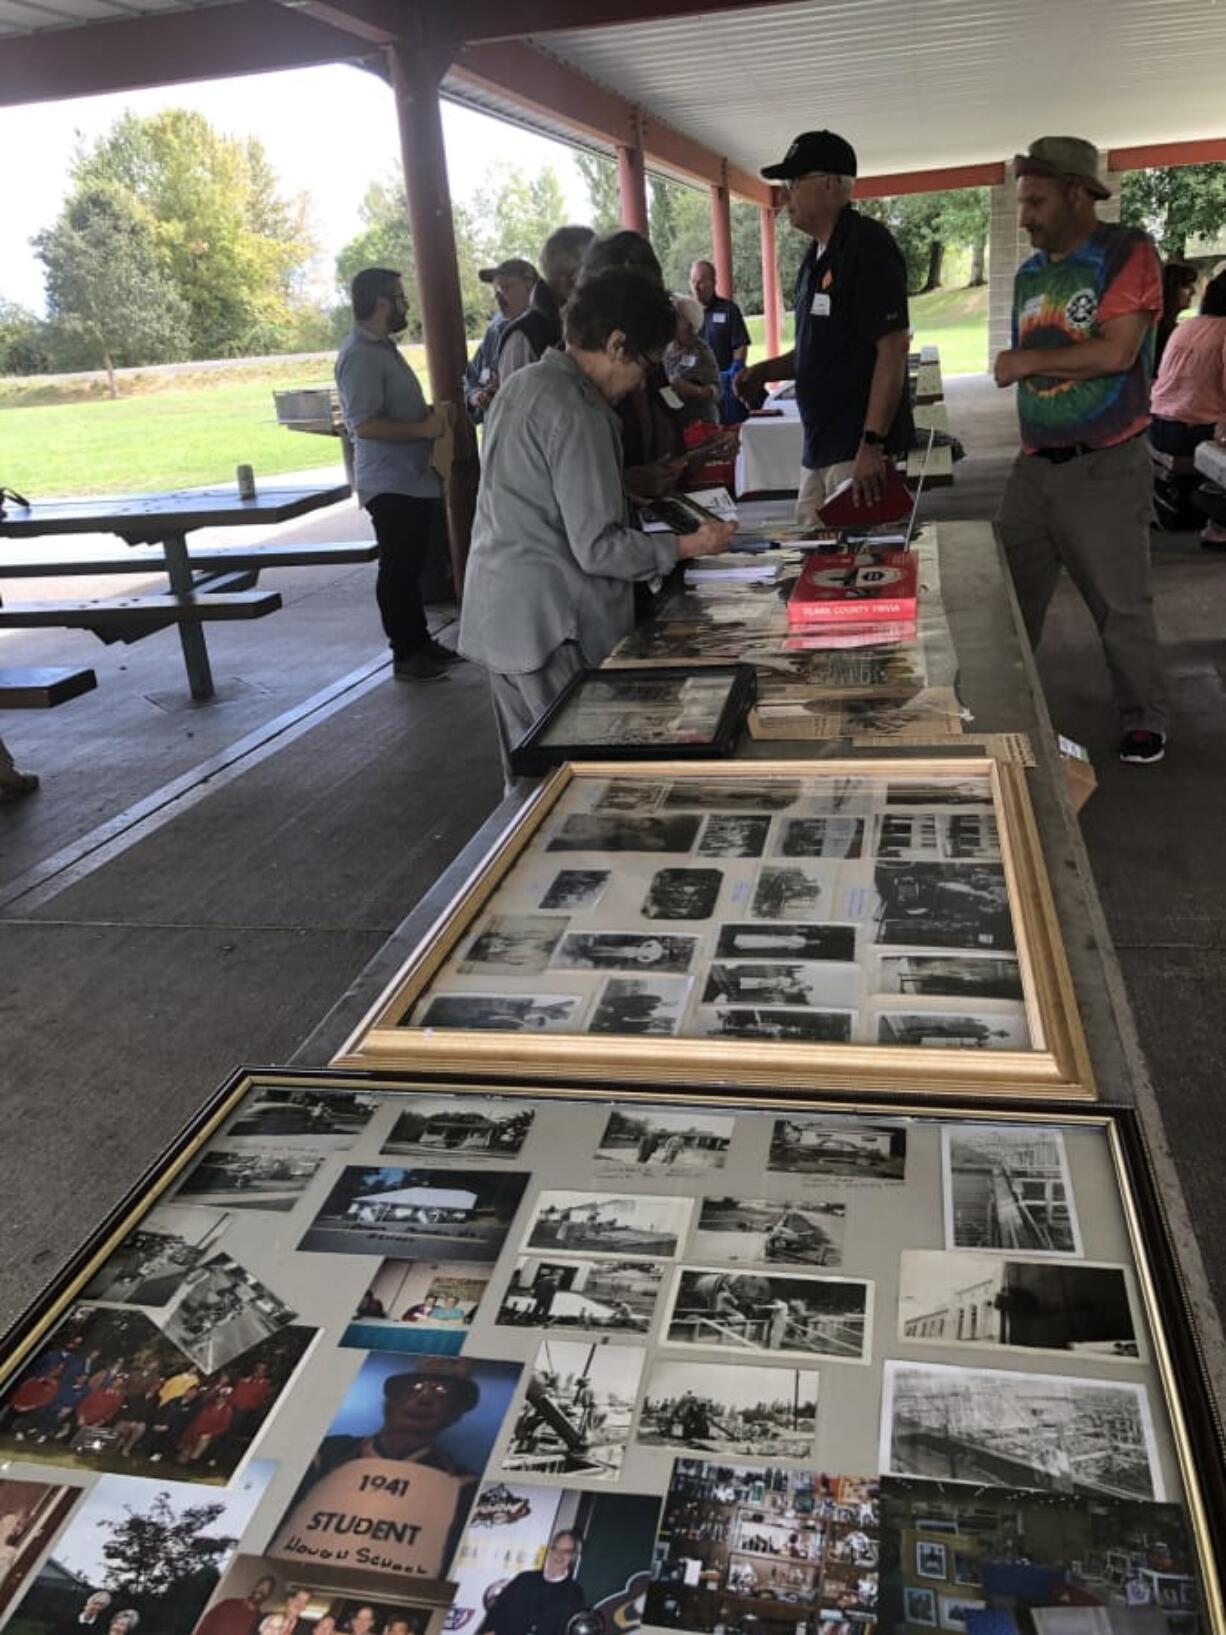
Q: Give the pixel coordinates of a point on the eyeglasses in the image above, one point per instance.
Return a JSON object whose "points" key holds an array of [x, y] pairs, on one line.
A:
{"points": [[790, 183]]}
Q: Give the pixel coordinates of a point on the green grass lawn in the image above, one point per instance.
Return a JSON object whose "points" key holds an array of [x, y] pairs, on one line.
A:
{"points": [[180, 431]]}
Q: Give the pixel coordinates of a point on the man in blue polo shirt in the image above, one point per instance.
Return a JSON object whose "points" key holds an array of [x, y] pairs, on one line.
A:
{"points": [[852, 330], [723, 327]]}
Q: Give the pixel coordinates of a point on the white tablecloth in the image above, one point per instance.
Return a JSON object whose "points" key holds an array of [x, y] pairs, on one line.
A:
{"points": [[771, 449], [1210, 458]]}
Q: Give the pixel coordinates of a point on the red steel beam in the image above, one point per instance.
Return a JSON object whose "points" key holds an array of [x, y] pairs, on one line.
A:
{"points": [[929, 181], [1157, 155], [491, 20]]}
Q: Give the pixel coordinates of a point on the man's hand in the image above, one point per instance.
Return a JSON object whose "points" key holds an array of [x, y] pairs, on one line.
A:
{"points": [[649, 482], [1219, 432], [868, 474], [484, 396], [747, 384], [1014, 365], [708, 539]]}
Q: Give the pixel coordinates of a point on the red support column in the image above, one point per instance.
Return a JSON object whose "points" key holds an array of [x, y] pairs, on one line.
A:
{"points": [[632, 182], [770, 283], [721, 240], [415, 79]]}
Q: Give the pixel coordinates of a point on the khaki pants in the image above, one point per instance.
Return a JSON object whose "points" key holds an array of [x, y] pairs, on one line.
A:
{"points": [[816, 488], [1092, 516], [520, 701]]}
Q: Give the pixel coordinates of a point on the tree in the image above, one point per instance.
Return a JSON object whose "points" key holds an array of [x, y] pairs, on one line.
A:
{"points": [[662, 211], [233, 247], [600, 178], [963, 216], [106, 285], [517, 212], [1175, 204], [23, 346], [164, 1562]]}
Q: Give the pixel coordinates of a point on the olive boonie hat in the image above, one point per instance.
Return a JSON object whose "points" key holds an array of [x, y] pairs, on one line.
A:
{"points": [[514, 267], [1067, 157], [814, 150]]}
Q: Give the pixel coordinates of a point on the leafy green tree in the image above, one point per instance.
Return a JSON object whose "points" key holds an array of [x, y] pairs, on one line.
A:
{"points": [[662, 207], [164, 1562], [234, 248], [600, 178], [23, 345], [962, 219], [106, 284], [517, 213], [1175, 204]]}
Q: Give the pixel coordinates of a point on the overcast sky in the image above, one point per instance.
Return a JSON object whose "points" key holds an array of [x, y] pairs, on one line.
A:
{"points": [[328, 132]]}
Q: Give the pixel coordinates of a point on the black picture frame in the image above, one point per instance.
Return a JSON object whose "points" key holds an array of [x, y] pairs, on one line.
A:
{"points": [[532, 757]]}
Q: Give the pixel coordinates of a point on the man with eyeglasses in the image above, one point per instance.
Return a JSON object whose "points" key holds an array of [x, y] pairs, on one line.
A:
{"points": [[514, 280], [849, 361], [392, 427]]}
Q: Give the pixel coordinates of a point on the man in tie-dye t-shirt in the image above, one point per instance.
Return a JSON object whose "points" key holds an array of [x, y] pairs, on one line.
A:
{"points": [[1085, 306]]}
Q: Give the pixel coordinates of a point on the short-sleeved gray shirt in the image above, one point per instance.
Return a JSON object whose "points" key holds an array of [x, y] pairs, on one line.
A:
{"points": [[373, 380]]}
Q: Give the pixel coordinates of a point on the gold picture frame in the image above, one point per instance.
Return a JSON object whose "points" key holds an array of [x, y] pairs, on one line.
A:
{"points": [[1056, 1065]]}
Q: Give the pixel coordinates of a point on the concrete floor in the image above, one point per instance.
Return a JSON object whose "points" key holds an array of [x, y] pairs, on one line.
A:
{"points": [[195, 885]]}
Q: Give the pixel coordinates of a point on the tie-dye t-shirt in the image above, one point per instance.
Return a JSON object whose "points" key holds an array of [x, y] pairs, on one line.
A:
{"points": [[1062, 303]]}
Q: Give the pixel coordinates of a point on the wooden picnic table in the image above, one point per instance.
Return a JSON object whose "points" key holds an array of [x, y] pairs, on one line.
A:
{"points": [[164, 520]]}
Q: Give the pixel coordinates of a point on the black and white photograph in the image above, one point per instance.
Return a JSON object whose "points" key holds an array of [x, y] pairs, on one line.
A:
{"points": [[626, 951], [417, 1214], [940, 792], [639, 709], [943, 905], [956, 1609], [575, 1416], [937, 837], [793, 892], [224, 1311], [770, 1232], [625, 795], [954, 1299], [954, 1030], [729, 1408], [616, 831], [149, 1266], [838, 1150], [790, 1315], [820, 837], [734, 834], [931, 1559], [640, 1005], [574, 890], [608, 1223], [792, 940], [919, 1606], [682, 894], [325, 1123], [1051, 1431], [518, 943], [665, 1143], [734, 795], [1007, 1187], [784, 1026], [603, 1296], [502, 1013], [269, 1179], [949, 976], [781, 982], [468, 1125]]}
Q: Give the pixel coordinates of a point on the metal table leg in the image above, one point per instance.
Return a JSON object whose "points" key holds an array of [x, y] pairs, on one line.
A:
{"points": [[191, 633]]}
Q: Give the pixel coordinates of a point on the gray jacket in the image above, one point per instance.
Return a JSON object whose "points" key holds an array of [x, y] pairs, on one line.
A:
{"points": [[553, 556]]}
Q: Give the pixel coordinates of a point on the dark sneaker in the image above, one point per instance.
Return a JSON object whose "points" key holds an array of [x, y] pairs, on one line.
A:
{"points": [[419, 666], [17, 784], [441, 654], [1142, 748]]}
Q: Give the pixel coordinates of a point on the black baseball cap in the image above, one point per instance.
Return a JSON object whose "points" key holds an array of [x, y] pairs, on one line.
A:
{"points": [[514, 267], [814, 150]]}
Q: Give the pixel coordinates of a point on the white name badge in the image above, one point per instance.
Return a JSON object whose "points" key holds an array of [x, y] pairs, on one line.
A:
{"points": [[670, 397], [387, 1514], [689, 360], [820, 305], [719, 317]]}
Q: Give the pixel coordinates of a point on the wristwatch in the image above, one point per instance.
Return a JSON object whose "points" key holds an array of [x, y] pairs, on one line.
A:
{"points": [[874, 439]]}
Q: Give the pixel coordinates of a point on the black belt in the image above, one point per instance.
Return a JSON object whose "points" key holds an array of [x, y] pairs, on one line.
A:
{"points": [[1074, 451]]}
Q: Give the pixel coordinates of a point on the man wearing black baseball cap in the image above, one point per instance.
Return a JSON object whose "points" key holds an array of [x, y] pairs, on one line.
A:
{"points": [[852, 329], [513, 280], [1080, 494]]}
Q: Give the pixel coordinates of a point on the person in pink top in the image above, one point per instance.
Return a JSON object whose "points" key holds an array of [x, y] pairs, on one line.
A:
{"points": [[1188, 403]]}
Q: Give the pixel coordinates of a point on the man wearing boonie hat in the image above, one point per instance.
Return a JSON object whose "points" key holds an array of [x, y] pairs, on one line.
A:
{"points": [[852, 330], [1080, 494], [513, 280]]}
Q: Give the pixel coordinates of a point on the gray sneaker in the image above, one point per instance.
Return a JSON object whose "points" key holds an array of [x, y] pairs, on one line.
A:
{"points": [[443, 655], [419, 666]]}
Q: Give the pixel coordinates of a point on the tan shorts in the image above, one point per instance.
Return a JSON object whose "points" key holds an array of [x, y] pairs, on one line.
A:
{"points": [[816, 488]]}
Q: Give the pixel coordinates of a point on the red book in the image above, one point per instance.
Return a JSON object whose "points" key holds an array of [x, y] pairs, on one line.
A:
{"points": [[895, 504], [866, 588]]}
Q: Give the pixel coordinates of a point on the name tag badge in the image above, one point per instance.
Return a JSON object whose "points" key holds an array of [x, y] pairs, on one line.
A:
{"points": [[689, 360], [670, 397], [719, 317], [820, 305], [484, 376]]}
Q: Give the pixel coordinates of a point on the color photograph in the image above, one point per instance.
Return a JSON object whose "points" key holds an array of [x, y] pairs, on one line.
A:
{"points": [[399, 1464], [262, 1597], [838, 1150], [575, 1416], [31, 1513], [671, 1143], [417, 1214], [605, 1296], [729, 1409], [466, 1125], [640, 1005], [762, 1312], [608, 1223], [417, 1305], [1007, 1187], [1051, 1431], [768, 1231]]}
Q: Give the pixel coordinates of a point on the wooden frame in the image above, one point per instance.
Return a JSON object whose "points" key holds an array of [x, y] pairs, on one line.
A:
{"points": [[1057, 1065]]}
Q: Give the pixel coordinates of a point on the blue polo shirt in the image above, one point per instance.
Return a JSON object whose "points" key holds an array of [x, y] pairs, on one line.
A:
{"points": [[723, 329], [847, 298], [373, 380]]}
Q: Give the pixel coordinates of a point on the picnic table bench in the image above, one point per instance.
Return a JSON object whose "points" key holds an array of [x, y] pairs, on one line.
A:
{"points": [[42, 687]]}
